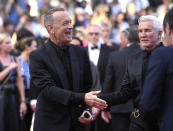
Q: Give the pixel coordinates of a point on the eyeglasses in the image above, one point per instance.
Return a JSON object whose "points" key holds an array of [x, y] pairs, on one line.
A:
{"points": [[126, 32], [93, 33]]}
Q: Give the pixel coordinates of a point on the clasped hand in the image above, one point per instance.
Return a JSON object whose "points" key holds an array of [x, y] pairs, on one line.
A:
{"points": [[88, 116], [96, 103], [92, 100]]}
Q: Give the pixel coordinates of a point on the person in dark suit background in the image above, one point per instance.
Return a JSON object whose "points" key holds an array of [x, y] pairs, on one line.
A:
{"points": [[62, 73], [94, 71], [120, 114], [157, 90], [150, 31], [98, 54]]}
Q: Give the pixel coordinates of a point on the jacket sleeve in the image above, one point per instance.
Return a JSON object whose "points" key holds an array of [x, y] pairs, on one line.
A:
{"points": [[126, 92], [109, 77], [154, 82]]}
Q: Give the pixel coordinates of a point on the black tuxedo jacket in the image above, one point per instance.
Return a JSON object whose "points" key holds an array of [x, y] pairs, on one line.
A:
{"points": [[57, 105], [132, 84], [115, 73], [103, 59]]}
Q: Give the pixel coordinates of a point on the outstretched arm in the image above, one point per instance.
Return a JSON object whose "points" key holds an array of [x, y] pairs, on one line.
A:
{"points": [[126, 92]]}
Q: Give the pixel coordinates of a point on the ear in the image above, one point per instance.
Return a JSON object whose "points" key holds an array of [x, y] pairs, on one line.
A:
{"points": [[160, 34], [168, 29], [50, 28]]}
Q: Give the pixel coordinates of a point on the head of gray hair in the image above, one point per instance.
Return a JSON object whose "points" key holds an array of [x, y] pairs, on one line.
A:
{"points": [[156, 23], [48, 17], [94, 25], [105, 24], [125, 32]]}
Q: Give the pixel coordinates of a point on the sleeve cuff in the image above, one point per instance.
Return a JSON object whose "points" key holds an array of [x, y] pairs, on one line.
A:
{"points": [[77, 98], [33, 102]]}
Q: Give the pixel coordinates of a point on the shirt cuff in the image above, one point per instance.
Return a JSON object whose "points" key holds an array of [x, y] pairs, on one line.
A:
{"points": [[33, 102]]}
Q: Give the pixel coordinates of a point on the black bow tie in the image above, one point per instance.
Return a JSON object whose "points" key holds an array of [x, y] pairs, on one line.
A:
{"points": [[94, 47]]}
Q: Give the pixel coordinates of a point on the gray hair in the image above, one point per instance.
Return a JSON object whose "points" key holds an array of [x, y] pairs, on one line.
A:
{"points": [[125, 32], [105, 24], [48, 18], [156, 23], [94, 25]]}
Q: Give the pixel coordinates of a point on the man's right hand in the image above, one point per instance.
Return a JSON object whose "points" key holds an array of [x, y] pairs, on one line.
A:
{"points": [[91, 99]]}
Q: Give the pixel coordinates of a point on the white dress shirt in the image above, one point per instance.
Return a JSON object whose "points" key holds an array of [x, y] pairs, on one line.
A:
{"points": [[94, 53]]}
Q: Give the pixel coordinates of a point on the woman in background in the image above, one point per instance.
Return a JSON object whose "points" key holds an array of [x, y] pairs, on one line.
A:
{"points": [[11, 85], [26, 46]]}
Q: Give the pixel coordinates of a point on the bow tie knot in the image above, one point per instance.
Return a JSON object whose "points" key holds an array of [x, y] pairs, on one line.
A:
{"points": [[94, 47]]}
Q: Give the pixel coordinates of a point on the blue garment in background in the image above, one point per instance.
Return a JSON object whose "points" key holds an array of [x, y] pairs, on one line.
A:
{"points": [[25, 72], [13, 15]]}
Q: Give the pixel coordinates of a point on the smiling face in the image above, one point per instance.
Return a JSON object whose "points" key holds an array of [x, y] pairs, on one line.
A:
{"points": [[61, 30], [149, 36]]}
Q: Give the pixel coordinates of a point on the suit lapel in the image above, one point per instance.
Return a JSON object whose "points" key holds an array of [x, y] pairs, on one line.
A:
{"points": [[75, 68], [140, 64], [87, 50], [100, 55], [59, 69]]}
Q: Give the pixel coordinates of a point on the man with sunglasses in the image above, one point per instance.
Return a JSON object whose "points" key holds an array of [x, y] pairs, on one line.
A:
{"points": [[98, 54], [98, 51]]}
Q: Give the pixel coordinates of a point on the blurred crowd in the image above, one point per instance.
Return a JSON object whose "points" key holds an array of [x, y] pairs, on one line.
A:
{"points": [[28, 14], [23, 24]]}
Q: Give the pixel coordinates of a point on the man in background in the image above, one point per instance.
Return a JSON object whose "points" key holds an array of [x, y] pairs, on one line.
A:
{"points": [[115, 71], [150, 32], [98, 54], [156, 102]]}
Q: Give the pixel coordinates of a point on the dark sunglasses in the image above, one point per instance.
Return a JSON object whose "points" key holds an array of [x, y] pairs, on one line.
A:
{"points": [[93, 33]]}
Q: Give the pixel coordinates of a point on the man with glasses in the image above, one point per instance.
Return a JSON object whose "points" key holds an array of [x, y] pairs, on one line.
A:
{"points": [[98, 54]]}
